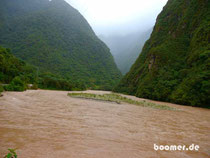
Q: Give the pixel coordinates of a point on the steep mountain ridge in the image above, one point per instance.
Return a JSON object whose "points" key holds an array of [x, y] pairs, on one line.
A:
{"points": [[174, 63], [55, 37]]}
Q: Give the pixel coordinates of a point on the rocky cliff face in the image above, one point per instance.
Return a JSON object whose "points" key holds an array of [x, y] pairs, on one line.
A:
{"points": [[174, 63]]}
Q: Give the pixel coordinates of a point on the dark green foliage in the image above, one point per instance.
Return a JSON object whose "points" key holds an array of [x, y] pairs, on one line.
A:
{"points": [[50, 81], [17, 74], [54, 37], [17, 84], [1, 89], [174, 64], [11, 67]]}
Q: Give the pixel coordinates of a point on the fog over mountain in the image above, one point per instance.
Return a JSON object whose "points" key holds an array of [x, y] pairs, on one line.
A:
{"points": [[123, 25], [119, 16], [126, 48]]}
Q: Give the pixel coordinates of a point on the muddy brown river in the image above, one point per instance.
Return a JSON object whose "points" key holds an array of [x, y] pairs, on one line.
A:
{"points": [[49, 124]]}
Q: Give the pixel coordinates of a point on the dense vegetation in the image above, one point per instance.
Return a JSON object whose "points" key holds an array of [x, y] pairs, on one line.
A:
{"points": [[54, 37], [15, 72], [175, 61], [1, 89], [53, 82], [16, 75]]}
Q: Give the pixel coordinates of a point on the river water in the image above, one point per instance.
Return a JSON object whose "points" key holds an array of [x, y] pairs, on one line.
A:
{"points": [[49, 124]]}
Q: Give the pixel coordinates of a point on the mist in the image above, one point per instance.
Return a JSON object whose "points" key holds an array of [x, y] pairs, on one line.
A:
{"points": [[108, 17], [123, 25]]}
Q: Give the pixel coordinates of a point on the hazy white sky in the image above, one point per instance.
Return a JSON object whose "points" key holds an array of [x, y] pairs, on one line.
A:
{"points": [[119, 16]]}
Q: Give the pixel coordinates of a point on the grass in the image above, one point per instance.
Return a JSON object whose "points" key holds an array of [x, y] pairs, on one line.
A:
{"points": [[113, 97]]}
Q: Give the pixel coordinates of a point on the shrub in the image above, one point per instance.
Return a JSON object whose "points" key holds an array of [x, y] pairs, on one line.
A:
{"points": [[16, 85]]}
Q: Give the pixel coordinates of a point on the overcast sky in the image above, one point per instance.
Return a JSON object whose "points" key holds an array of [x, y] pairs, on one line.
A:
{"points": [[119, 16]]}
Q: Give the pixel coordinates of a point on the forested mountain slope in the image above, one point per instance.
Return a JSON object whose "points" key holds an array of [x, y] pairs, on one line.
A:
{"points": [[17, 75], [11, 67], [56, 38], [14, 73], [175, 61]]}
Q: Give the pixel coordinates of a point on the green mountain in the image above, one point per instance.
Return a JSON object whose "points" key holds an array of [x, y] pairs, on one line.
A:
{"points": [[175, 61], [55, 37]]}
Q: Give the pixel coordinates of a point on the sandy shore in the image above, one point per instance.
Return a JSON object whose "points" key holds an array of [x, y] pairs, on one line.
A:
{"points": [[49, 124]]}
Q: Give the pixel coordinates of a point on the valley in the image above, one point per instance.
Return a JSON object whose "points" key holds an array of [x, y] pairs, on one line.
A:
{"points": [[67, 90]]}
